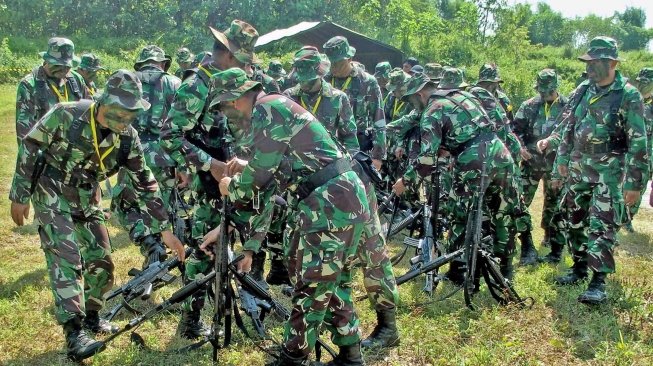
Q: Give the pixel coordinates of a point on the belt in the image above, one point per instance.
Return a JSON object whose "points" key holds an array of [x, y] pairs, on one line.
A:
{"points": [[65, 178], [601, 148], [482, 137], [322, 176]]}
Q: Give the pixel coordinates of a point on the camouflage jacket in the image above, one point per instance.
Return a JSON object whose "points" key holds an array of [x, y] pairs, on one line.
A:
{"points": [[331, 107], [73, 169], [648, 119], [395, 109], [35, 96], [269, 84], [505, 102], [592, 126], [288, 146], [92, 89], [367, 104]]}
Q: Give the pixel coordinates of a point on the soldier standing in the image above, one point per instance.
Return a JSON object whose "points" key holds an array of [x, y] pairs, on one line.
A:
{"points": [[184, 60], [88, 68]]}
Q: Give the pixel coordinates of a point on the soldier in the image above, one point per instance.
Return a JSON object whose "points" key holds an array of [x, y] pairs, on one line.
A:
{"points": [[382, 73], [604, 157], [184, 60], [269, 84], [331, 108], [408, 64], [59, 167], [292, 150], [51, 83], [364, 96], [159, 89], [454, 120], [277, 73], [88, 68], [395, 109], [196, 137], [535, 120]]}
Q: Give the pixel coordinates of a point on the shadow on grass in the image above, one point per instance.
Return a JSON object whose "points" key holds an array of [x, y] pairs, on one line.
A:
{"points": [[636, 244], [29, 229], [53, 357], [37, 278]]}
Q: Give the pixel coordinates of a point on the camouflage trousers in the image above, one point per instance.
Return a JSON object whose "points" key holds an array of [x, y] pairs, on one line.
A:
{"points": [[321, 266]]}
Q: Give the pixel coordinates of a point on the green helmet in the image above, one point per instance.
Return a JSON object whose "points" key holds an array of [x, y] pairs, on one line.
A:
{"points": [[61, 51], [123, 89], [338, 48], [240, 39], [601, 48]]}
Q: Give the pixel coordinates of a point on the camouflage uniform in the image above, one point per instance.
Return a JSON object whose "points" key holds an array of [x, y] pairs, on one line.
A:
{"points": [[395, 109], [288, 145], [159, 90], [382, 75], [645, 85], [365, 98], [605, 149], [88, 67], [184, 56], [37, 93], [277, 73]]}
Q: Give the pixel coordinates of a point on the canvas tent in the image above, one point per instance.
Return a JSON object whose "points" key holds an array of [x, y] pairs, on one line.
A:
{"points": [[368, 51]]}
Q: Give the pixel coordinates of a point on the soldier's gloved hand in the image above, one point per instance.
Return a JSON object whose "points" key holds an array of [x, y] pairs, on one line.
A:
{"points": [[172, 242], [245, 264], [542, 145], [19, 212], [631, 197], [224, 186], [398, 188], [563, 171], [182, 180], [235, 166], [218, 169], [377, 164], [525, 154]]}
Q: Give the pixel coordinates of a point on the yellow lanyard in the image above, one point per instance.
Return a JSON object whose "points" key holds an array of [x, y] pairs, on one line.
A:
{"points": [[396, 108], [547, 107], [345, 85], [91, 91], [385, 100], [205, 71], [60, 98], [95, 141], [317, 104]]}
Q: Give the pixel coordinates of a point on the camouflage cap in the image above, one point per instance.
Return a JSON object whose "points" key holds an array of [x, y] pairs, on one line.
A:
{"points": [[452, 78], [90, 62], [397, 80], [645, 75], [489, 73], [338, 48], [417, 68], [184, 55], [152, 53], [416, 83], [124, 89], [433, 71], [310, 64], [60, 52], [382, 70], [240, 38], [275, 69], [230, 85], [601, 48], [547, 81]]}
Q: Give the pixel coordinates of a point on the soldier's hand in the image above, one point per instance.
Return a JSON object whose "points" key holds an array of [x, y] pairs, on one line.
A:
{"points": [[563, 171], [631, 197], [172, 242], [235, 166], [398, 188], [224, 186], [377, 164], [245, 264], [209, 240], [183, 180], [525, 154], [218, 169], [19, 213], [542, 145], [399, 153]]}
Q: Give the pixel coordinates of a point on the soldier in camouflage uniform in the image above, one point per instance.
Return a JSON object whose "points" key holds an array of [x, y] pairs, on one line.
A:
{"points": [[184, 60], [364, 96], [535, 120], [269, 84], [197, 137], [159, 90], [331, 108], [59, 167], [397, 137], [292, 151], [604, 156], [88, 67], [277, 73], [454, 120], [382, 75], [51, 83]]}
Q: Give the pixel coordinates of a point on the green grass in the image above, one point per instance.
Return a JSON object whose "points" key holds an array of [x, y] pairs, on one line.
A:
{"points": [[556, 331]]}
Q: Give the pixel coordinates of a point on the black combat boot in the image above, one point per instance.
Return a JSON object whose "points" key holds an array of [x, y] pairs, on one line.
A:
{"points": [[385, 334], [555, 256], [577, 274], [278, 274], [348, 356], [595, 293], [287, 359], [79, 344], [258, 264], [191, 326], [506, 268], [528, 252], [94, 324], [456, 273]]}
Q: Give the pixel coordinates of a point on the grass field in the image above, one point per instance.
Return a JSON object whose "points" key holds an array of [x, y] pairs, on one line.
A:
{"points": [[555, 331]]}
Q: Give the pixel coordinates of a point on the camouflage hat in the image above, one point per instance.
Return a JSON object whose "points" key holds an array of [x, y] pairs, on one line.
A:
{"points": [[123, 89], [416, 83], [382, 70], [547, 81], [60, 52], [433, 71], [601, 48], [275, 69], [230, 85], [240, 39], [152, 53], [310, 64], [489, 73], [645, 75], [452, 78], [184, 55], [338, 48], [90, 62], [416, 69], [397, 79]]}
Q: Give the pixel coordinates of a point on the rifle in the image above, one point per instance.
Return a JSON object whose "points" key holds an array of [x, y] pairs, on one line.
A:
{"points": [[222, 292], [473, 237], [255, 308]]}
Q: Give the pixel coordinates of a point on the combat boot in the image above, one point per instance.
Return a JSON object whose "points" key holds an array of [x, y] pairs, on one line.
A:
{"points": [[385, 334], [555, 256], [528, 252], [577, 274], [595, 293], [278, 274], [287, 359], [94, 324], [258, 264], [80, 345], [506, 268], [348, 356], [456, 273], [191, 326]]}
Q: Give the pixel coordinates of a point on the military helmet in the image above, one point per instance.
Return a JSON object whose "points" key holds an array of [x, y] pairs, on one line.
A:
{"points": [[601, 48], [452, 78], [240, 39], [489, 73], [61, 51], [152, 53], [338, 48]]}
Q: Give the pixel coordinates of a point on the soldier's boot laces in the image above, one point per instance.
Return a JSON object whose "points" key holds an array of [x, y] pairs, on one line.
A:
{"points": [[191, 326], [385, 334], [278, 274], [555, 256], [348, 356], [258, 264], [528, 252], [578, 273], [595, 293], [97, 325], [287, 359], [80, 345]]}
